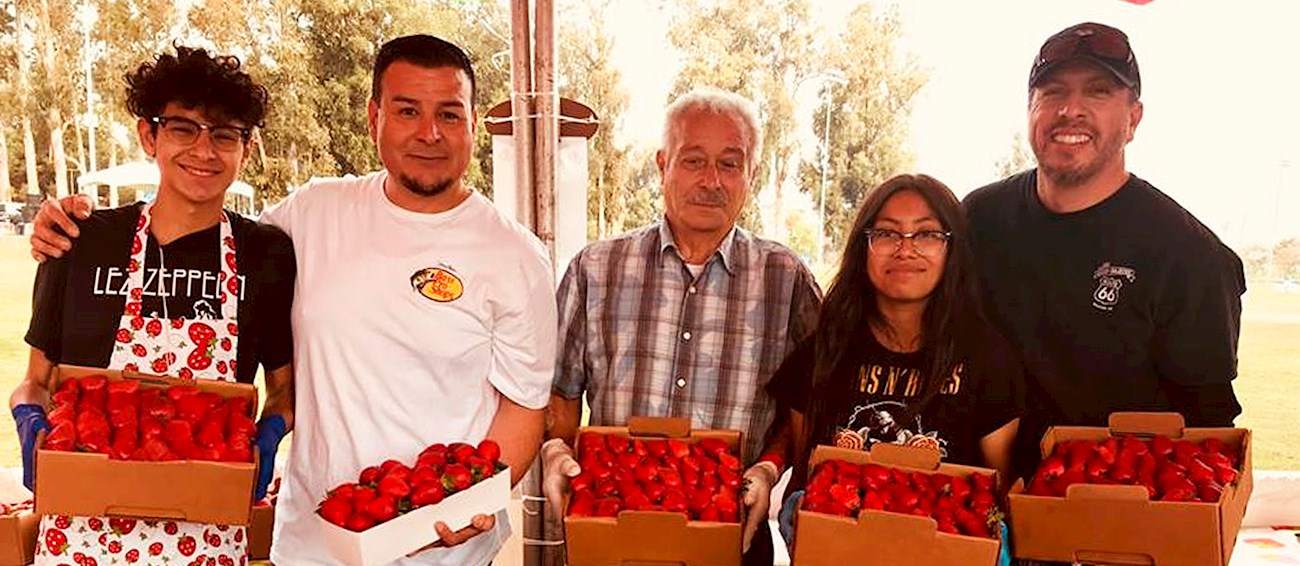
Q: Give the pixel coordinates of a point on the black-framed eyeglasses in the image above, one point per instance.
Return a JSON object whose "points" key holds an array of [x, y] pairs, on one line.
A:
{"points": [[884, 241], [185, 131]]}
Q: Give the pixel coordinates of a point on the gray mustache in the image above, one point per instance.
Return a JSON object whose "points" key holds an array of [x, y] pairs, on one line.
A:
{"points": [[708, 199]]}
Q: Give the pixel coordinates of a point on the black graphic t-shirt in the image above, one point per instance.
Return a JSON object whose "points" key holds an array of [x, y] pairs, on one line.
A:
{"points": [[871, 394], [78, 300]]}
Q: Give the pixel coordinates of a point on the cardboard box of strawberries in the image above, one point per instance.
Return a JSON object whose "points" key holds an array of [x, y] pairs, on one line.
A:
{"points": [[129, 444], [896, 505], [655, 492], [17, 533], [390, 510], [1143, 490]]}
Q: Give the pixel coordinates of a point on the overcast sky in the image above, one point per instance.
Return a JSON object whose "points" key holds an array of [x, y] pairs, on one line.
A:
{"points": [[1220, 81]]}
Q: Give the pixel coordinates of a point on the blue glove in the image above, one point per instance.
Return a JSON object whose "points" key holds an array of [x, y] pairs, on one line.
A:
{"points": [[1004, 555], [270, 431], [31, 421], [785, 519]]}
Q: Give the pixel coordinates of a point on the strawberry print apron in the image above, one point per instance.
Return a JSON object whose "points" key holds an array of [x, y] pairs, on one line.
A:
{"points": [[200, 348]]}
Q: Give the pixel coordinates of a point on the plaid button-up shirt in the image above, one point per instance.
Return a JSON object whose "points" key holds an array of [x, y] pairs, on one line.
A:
{"points": [[641, 336]]}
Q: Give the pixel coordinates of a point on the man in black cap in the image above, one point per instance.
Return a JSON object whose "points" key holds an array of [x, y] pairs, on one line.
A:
{"points": [[1117, 297]]}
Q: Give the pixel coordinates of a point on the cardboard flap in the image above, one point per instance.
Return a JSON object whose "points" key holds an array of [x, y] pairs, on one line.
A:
{"points": [[645, 521], [1085, 491], [910, 456], [669, 427], [1167, 424], [896, 524]]}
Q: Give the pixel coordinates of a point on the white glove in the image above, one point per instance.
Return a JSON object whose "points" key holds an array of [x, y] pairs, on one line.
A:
{"points": [[756, 495], [558, 466]]}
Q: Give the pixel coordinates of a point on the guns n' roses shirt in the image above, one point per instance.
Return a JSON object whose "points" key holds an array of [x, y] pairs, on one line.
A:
{"points": [[872, 391], [78, 299]]}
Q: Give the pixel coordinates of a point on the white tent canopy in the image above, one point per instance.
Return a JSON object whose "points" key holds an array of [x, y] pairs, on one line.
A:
{"points": [[143, 174]]}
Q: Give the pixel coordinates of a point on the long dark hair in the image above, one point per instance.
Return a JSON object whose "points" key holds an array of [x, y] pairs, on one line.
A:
{"points": [[849, 309]]}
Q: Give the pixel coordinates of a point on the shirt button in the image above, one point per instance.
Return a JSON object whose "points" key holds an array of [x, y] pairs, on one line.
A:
{"points": [[681, 382], [686, 336], [691, 290]]}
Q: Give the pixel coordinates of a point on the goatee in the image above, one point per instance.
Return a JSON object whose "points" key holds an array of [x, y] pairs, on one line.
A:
{"points": [[425, 189]]}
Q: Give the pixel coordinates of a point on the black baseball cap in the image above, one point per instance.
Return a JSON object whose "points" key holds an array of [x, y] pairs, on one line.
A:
{"points": [[1099, 44]]}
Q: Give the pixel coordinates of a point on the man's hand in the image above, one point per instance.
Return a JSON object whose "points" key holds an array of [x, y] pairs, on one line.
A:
{"points": [[48, 242], [478, 525], [756, 494], [558, 466]]}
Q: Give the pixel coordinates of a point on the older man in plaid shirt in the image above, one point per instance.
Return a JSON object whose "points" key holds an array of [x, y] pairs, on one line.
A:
{"points": [[689, 316]]}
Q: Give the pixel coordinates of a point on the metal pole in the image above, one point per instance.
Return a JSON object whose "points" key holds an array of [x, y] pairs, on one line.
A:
{"points": [[521, 107], [547, 140], [547, 130]]}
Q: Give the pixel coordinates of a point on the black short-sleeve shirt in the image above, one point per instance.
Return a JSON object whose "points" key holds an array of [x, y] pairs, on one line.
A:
{"points": [[78, 299], [874, 388]]}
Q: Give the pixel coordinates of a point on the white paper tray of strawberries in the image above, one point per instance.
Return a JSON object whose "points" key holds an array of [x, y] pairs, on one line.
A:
{"points": [[391, 510]]}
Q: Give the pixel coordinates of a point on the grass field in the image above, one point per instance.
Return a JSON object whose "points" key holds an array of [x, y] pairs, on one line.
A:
{"points": [[1269, 368]]}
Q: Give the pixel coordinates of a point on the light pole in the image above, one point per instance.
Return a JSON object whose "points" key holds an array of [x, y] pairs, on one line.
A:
{"points": [[831, 77]]}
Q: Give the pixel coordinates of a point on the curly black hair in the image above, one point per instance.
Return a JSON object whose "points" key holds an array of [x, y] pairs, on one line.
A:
{"points": [[194, 79]]}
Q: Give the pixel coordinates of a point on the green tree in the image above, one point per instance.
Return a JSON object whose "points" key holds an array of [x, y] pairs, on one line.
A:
{"points": [[1020, 158], [761, 50], [586, 74], [868, 116], [1286, 258]]}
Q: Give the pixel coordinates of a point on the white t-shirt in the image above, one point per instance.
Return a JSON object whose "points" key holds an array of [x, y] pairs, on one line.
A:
{"points": [[384, 369]]}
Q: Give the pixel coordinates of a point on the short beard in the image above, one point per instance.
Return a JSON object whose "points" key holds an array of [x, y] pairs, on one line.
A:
{"points": [[1069, 178], [425, 190]]}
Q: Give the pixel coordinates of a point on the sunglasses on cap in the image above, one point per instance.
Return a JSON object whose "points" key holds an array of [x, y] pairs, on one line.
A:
{"points": [[1105, 45]]}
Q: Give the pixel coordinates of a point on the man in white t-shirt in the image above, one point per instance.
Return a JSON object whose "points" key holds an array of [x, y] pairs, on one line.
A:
{"points": [[421, 314]]}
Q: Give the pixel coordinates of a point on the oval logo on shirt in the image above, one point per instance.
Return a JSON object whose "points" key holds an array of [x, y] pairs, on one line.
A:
{"points": [[437, 284]]}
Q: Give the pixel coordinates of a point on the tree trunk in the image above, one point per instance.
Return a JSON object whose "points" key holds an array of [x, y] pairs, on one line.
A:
{"points": [[29, 158], [6, 188], [58, 153], [55, 115]]}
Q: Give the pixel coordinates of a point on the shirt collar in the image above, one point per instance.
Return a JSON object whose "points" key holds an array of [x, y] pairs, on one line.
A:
{"points": [[726, 250]]}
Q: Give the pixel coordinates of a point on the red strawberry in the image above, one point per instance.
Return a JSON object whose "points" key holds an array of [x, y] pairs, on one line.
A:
{"points": [[153, 327], [156, 548], [132, 556], [429, 493], [489, 450], [56, 542], [95, 524], [382, 508], [230, 260], [359, 522], [137, 322], [233, 329], [233, 286], [123, 336], [136, 294], [133, 266], [201, 334], [159, 366], [122, 526], [114, 547], [225, 561], [62, 522], [185, 373], [177, 323], [199, 359], [369, 475], [221, 366], [131, 367], [136, 245], [133, 308], [229, 241], [139, 351], [186, 545], [336, 510], [226, 344]]}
